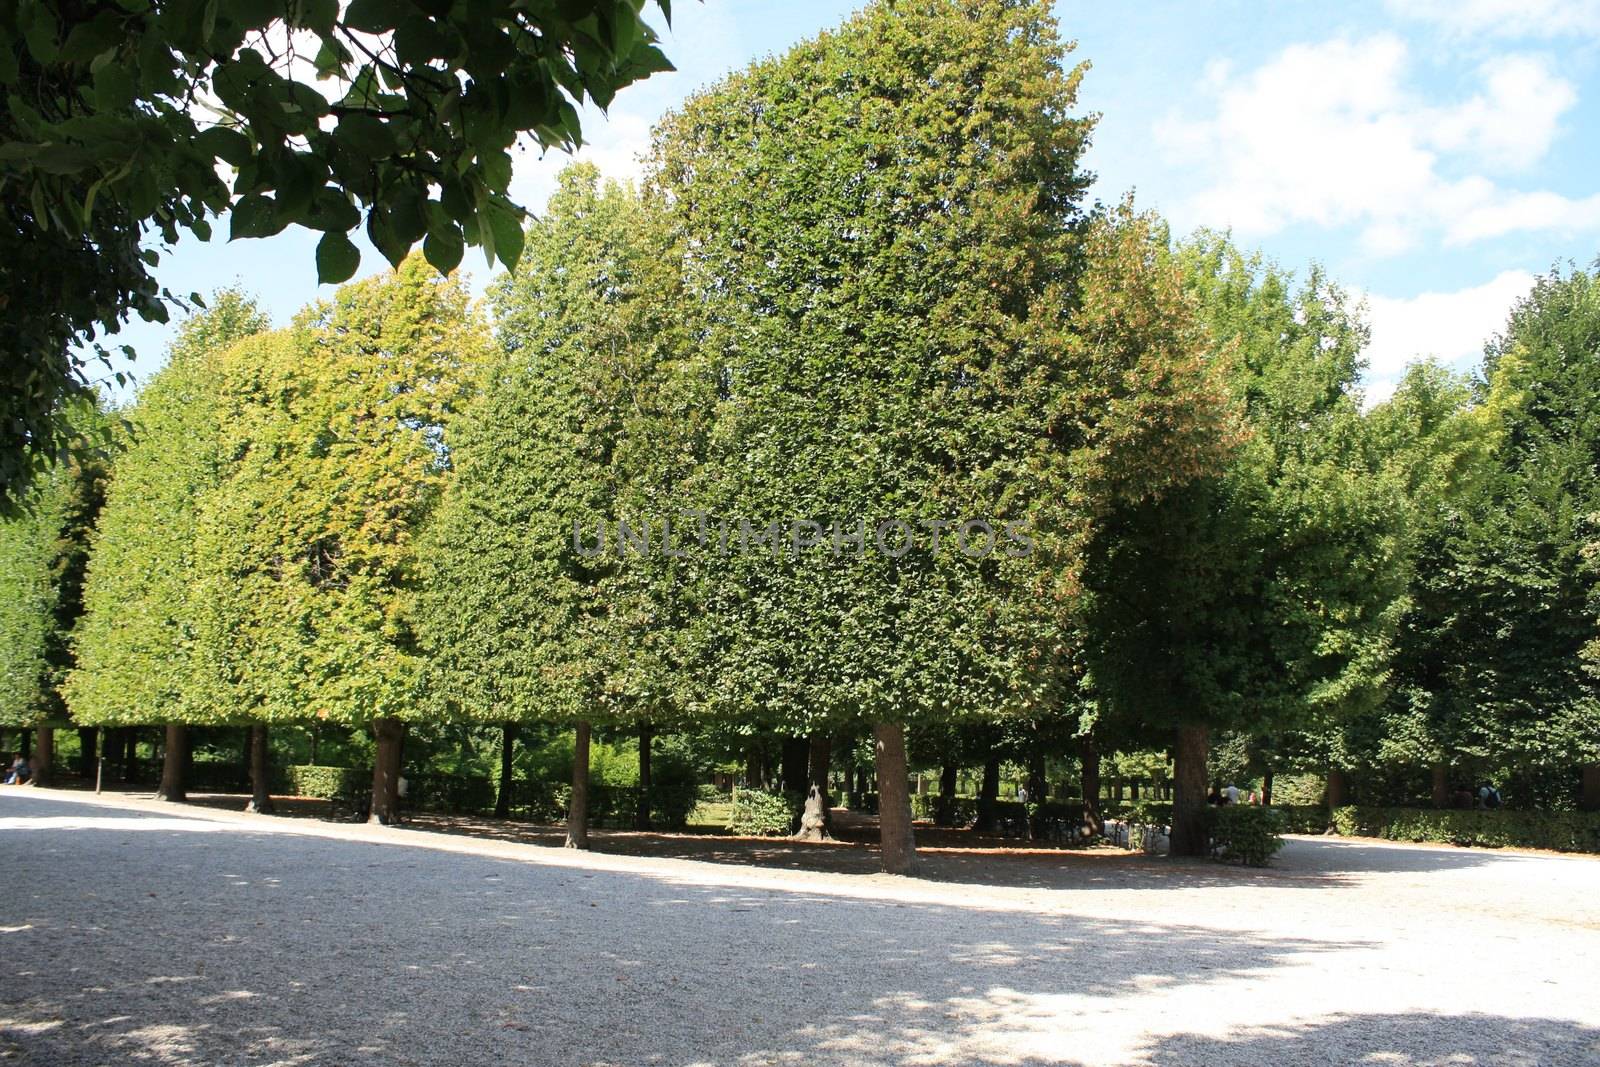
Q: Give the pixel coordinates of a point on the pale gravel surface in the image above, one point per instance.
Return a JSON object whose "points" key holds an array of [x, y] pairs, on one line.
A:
{"points": [[141, 933]]}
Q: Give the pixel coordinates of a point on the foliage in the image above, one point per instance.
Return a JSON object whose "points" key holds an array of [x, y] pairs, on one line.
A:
{"points": [[761, 814], [324, 783], [586, 417], [1244, 833], [125, 117], [134, 643], [1302, 818], [1263, 598], [1565, 831], [336, 434], [44, 550], [886, 239]]}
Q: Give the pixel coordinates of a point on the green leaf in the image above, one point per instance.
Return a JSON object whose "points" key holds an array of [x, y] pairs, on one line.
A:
{"points": [[226, 144], [443, 249], [507, 228], [253, 216], [371, 16], [337, 258], [365, 135]]}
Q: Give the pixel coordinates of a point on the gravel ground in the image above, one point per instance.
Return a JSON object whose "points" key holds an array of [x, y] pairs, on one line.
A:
{"points": [[141, 933]]}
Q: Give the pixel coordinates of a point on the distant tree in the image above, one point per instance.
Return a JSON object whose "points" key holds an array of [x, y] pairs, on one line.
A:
{"points": [[1494, 656], [123, 119], [44, 549]]}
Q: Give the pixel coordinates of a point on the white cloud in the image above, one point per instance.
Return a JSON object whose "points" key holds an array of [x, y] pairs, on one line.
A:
{"points": [[1330, 134], [1450, 327], [1505, 18]]}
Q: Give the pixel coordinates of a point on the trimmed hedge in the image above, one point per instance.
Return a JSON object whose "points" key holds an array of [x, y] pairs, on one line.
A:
{"points": [[322, 783], [1244, 833], [1559, 831], [757, 813], [1302, 818]]}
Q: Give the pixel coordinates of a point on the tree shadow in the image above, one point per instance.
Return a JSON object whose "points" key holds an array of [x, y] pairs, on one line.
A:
{"points": [[245, 947]]}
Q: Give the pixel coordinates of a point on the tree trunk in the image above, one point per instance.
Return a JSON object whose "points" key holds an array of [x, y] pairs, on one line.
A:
{"points": [[899, 845], [947, 795], [128, 753], [1441, 785], [316, 737], [988, 795], [25, 743], [1189, 834], [44, 744], [173, 763], [260, 773], [792, 765], [641, 815], [1089, 757], [88, 751], [1590, 798], [752, 767], [385, 809], [578, 805], [819, 754], [1266, 789], [1338, 788], [508, 750]]}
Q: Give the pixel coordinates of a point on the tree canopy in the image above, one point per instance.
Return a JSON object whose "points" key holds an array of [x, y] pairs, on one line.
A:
{"points": [[130, 121]]}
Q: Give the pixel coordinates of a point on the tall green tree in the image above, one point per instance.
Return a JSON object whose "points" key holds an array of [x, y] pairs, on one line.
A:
{"points": [[134, 119], [135, 642], [1497, 682], [591, 414], [334, 434], [44, 550], [1265, 597], [885, 240]]}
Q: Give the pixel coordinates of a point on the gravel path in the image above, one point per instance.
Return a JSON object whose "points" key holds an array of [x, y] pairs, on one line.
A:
{"points": [[141, 933]]}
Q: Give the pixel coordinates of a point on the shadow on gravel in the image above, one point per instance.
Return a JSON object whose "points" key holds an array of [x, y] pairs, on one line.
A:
{"points": [[241, 947], [1410, 1040]]}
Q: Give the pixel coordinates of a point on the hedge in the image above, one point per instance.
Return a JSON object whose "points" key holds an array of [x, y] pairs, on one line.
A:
{"points": [[1560, 831], [1302, 818], [757, 813], [322, 783], [1244, 833]]}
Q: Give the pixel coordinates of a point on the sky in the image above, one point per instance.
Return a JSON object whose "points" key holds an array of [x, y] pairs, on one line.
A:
{"points": [[1433, 156]]}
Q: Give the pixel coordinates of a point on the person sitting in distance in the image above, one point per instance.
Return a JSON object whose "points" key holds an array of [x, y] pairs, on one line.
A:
{"points": [[20, 771]]}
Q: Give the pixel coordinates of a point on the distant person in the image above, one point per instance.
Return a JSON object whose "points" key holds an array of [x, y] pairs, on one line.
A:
{"points": [[20, 771], [1489, 797], [1230, 795], [1215, 797], [1022, 794]]}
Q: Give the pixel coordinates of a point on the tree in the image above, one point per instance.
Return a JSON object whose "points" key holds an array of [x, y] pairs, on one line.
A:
{"points": [[335, 434], [123, 118], [43, 552], [1492, 668], [1264, 597], [588, 417], [134, 643], [880, 224]]}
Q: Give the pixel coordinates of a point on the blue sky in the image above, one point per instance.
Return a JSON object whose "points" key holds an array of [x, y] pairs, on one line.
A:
{"points": [[1434, 155]]}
